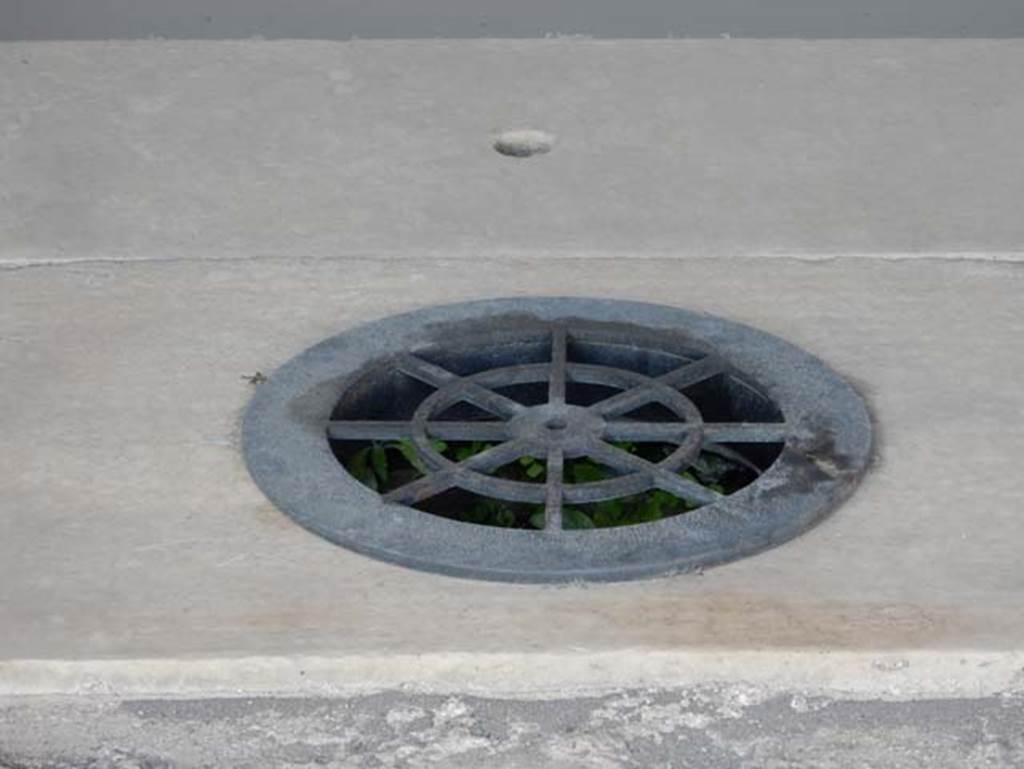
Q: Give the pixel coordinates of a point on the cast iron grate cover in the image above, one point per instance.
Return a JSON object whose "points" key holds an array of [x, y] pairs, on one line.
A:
{"points": [[558, 382]]}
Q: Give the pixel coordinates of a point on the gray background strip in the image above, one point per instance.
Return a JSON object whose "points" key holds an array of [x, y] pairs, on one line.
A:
{"points": [[343, 19]]}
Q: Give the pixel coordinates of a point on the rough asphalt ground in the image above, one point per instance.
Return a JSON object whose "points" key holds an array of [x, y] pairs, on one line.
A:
{"points": [[711, 728]]}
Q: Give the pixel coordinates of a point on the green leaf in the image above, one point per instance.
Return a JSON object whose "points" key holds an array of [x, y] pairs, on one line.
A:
{"points": [[584, 471], [409, 453], [607, 513], [526, 461], [357, 463], [439, 446], [576, 519], [611, 507], [505, 517], [537, 519], [464, 452], [358, 466], [481, 510], [649, 510], [379, 455], [534, 470]]}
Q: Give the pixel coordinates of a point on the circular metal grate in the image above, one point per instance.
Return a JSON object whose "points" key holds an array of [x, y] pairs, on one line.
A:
{"points": [[556, 430], [650, 394]]}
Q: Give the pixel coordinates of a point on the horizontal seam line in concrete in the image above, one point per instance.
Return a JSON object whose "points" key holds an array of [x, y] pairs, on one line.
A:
{"points": [[575, 39], [893, 674], [1008, 257]]}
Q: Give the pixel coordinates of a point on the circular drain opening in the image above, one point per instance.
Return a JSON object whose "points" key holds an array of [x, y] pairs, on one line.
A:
{"points": [[569, 424], [555, 439]]}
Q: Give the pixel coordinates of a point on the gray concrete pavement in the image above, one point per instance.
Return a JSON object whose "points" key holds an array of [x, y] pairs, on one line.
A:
{"points": [[676, 148]]}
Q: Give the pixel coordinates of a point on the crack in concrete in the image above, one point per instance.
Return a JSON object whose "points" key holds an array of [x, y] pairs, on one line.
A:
{"points": [[1009, 257]]}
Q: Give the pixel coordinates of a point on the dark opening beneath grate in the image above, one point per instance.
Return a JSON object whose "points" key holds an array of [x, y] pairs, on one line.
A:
{"points": [[567, 425]]}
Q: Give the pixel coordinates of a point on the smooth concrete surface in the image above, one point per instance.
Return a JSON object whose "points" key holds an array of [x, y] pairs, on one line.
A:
{"points": [[344, 19], [154, 150], [705, 728], [136, 554]]}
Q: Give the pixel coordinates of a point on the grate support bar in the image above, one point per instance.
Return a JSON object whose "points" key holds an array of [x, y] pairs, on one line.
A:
{"points": [[441, 480], [555, 489], [469, 390], [649, 392], [374, 430], [657, 476]]}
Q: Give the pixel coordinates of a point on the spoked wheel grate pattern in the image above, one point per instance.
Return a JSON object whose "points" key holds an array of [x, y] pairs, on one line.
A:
{"points": [[556, 430], [556, 410]]}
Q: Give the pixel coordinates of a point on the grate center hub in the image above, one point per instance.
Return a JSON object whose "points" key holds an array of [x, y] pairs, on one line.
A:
{"points": [[559, 425]]}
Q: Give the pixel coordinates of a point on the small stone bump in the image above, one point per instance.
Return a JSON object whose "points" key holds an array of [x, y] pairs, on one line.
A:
{"points": [[522, 143]]}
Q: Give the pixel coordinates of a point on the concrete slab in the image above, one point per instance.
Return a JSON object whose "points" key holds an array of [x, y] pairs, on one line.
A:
{"points": [[137, 555], [696, 148]]}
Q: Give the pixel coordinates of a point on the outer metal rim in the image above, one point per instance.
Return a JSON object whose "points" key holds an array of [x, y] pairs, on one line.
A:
{"points": [[290, 459]]}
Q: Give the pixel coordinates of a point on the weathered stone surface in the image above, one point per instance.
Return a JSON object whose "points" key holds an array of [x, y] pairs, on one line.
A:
{"points": [[730, 727]]}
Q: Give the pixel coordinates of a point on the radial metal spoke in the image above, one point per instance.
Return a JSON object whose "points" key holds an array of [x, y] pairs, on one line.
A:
{"points": [[556, 383], [628, 400], [648, 432], [684, 376], [745, 432], [367, 430], [442, 480], [617, 459], [370, 430], [470, 391], [496, 456], [555, 487], [421, 488], [730, 454], [692, 373]]}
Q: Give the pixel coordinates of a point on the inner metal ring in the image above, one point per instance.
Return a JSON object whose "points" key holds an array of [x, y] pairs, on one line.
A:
{"points": [[527, 427]]}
